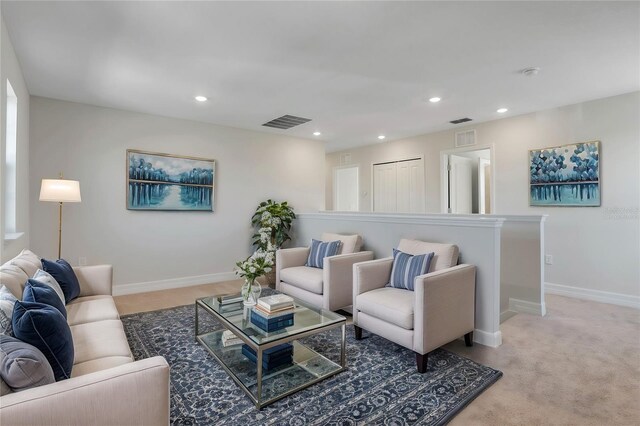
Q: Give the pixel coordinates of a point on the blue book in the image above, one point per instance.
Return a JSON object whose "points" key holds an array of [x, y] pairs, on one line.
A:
{"points": [[268, 365], [268, 326], [274, 352]]}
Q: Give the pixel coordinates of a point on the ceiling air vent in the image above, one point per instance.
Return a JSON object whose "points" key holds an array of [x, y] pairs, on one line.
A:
{"points": [[460, 120], [467, 138], [286, 122]]}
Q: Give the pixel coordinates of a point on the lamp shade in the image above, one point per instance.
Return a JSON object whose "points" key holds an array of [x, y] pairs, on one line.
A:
{"points": [[60, 190]]}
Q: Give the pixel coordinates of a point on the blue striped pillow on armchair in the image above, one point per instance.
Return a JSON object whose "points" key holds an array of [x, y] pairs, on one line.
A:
{"points": [[407, 267], [319, 250]]}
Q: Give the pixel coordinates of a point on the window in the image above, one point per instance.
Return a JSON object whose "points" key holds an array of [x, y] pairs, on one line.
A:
{"points": [[11, 170]]}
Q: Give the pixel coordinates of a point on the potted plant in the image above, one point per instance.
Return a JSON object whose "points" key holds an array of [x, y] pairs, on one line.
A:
{"points": [[273, 221], [256, 265]]}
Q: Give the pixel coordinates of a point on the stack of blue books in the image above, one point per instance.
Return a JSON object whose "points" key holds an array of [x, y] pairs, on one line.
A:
{"points": [[271, 358], [271, 323]]}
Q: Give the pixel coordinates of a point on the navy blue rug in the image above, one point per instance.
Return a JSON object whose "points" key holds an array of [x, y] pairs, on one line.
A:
{"points": [[380, 386]]}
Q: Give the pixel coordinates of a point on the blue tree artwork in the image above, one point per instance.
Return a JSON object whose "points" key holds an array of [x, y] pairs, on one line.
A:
{"points": [[169, 182], [567, 175]]}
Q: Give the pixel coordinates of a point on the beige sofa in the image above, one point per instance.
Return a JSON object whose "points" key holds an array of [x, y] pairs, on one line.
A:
{"points": [[107, 387]]}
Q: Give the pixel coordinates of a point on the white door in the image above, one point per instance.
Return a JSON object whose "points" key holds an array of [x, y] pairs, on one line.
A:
{"points": [[398, 187], [460, 184], [484, 192], [384, 187], [410, 186], [345, 191]]}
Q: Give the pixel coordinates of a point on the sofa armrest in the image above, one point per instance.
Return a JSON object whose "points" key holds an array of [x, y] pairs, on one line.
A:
{"points": [[95, 280], [131, 394], [337, 279], [288, 258], [371, 275], [444, 306]]}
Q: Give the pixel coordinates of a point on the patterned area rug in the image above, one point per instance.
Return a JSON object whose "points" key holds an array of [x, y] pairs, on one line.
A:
{"points": [[381, 385]]}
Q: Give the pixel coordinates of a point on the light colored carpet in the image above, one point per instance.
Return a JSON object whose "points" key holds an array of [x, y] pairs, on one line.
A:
{"points": [[579, 365]]}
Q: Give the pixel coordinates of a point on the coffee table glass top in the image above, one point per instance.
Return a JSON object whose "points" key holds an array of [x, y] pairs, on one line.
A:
{"points": [[306, 317]]}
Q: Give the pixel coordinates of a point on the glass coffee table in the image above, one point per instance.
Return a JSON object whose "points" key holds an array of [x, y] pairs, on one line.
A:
{"points": [[308, 366]]}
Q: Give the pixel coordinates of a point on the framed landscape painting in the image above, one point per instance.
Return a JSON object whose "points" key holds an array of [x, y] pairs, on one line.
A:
{"points": [[158, 181], [567, 175]]}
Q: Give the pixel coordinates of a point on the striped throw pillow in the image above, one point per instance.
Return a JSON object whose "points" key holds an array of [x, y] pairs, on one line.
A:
{"points": [[320, 250], [406, 268]]}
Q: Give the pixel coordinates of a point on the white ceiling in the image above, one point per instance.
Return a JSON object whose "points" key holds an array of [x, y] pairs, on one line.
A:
{"points": [[357, 69]]}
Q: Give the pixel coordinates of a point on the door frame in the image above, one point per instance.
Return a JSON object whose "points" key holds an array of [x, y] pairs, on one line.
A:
{"points": [[420, 157], [335, 184], [444, 177]]}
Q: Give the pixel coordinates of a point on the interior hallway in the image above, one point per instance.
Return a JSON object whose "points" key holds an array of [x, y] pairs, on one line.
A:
{"points": [[579, 365]]}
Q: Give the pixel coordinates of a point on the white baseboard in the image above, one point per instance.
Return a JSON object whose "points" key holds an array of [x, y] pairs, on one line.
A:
{"points": [[506, 315], [122, 289], [525, 307], [593, 295], [488, 339]]}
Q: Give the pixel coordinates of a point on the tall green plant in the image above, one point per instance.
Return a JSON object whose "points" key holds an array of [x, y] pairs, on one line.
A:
{"points": [[273, 221]]}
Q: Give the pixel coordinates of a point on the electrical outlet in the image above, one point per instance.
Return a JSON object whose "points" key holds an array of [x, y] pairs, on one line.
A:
{"points": [[548, 259], [82, 261]]}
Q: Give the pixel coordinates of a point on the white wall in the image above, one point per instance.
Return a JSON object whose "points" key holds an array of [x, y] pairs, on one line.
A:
{"points": [[89, 144], [594, 248], [10, 69]]}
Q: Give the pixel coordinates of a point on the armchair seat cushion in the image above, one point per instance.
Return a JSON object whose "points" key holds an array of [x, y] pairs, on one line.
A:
{"points": [[303, 277], [392, 305]]}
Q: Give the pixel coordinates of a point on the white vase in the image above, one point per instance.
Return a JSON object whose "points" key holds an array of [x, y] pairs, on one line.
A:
{"points": [[251, 290]]}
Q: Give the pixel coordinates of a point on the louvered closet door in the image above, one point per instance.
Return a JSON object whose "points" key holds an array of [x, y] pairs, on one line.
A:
{"points": [[410, 186], [384, 188]]}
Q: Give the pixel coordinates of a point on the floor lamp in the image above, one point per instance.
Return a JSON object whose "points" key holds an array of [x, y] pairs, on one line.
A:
{"points": [[60, 191]]}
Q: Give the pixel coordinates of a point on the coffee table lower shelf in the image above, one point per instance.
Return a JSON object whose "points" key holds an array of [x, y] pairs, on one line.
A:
{"points": [[308, 367]]}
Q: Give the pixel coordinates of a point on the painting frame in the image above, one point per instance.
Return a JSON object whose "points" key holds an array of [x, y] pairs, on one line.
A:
{"points": [[550, 181], [169, 182]]}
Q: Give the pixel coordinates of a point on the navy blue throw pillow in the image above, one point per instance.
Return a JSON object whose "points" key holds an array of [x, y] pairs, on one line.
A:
{"points": [[319, 250], [63, 273], [35, 291], [406, 268], [44, 327]]}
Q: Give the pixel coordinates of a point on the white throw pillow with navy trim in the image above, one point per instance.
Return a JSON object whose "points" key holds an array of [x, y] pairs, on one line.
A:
{"points": [[319, 250], [407, 267]]}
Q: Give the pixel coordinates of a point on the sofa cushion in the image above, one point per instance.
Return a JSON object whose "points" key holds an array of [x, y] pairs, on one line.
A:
{"points": [[46, 278], [44, 327], [406, 268], [23, 366], [64, 275], [7, 302], [28, 261], [319, 250], [350, 243], [99, 364], [389, 304], [35, 291], [99, 340], [13, 278], [444, 255], [304, 277], [91, 309]]}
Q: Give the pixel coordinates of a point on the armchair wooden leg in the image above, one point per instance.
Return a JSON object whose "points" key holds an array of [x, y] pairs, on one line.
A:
{"points": [[421, 361], [468, 339], [358, 332]]}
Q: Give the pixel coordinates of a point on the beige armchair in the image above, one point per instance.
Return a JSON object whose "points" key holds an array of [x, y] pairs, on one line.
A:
{"points": [[440, 309], [328, 288]]}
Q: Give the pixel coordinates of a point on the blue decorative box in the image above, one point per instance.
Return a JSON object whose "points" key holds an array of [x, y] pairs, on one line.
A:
{"points": [[282, 356]]}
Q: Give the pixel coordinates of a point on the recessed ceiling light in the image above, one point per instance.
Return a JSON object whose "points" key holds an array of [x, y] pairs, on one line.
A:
{"points": [[381, 137], [201, 98], [316, 133], [501, 110], [434, 99]]}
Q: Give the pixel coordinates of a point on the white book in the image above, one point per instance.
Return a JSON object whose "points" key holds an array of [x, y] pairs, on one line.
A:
{"points": [[276, 301]]}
